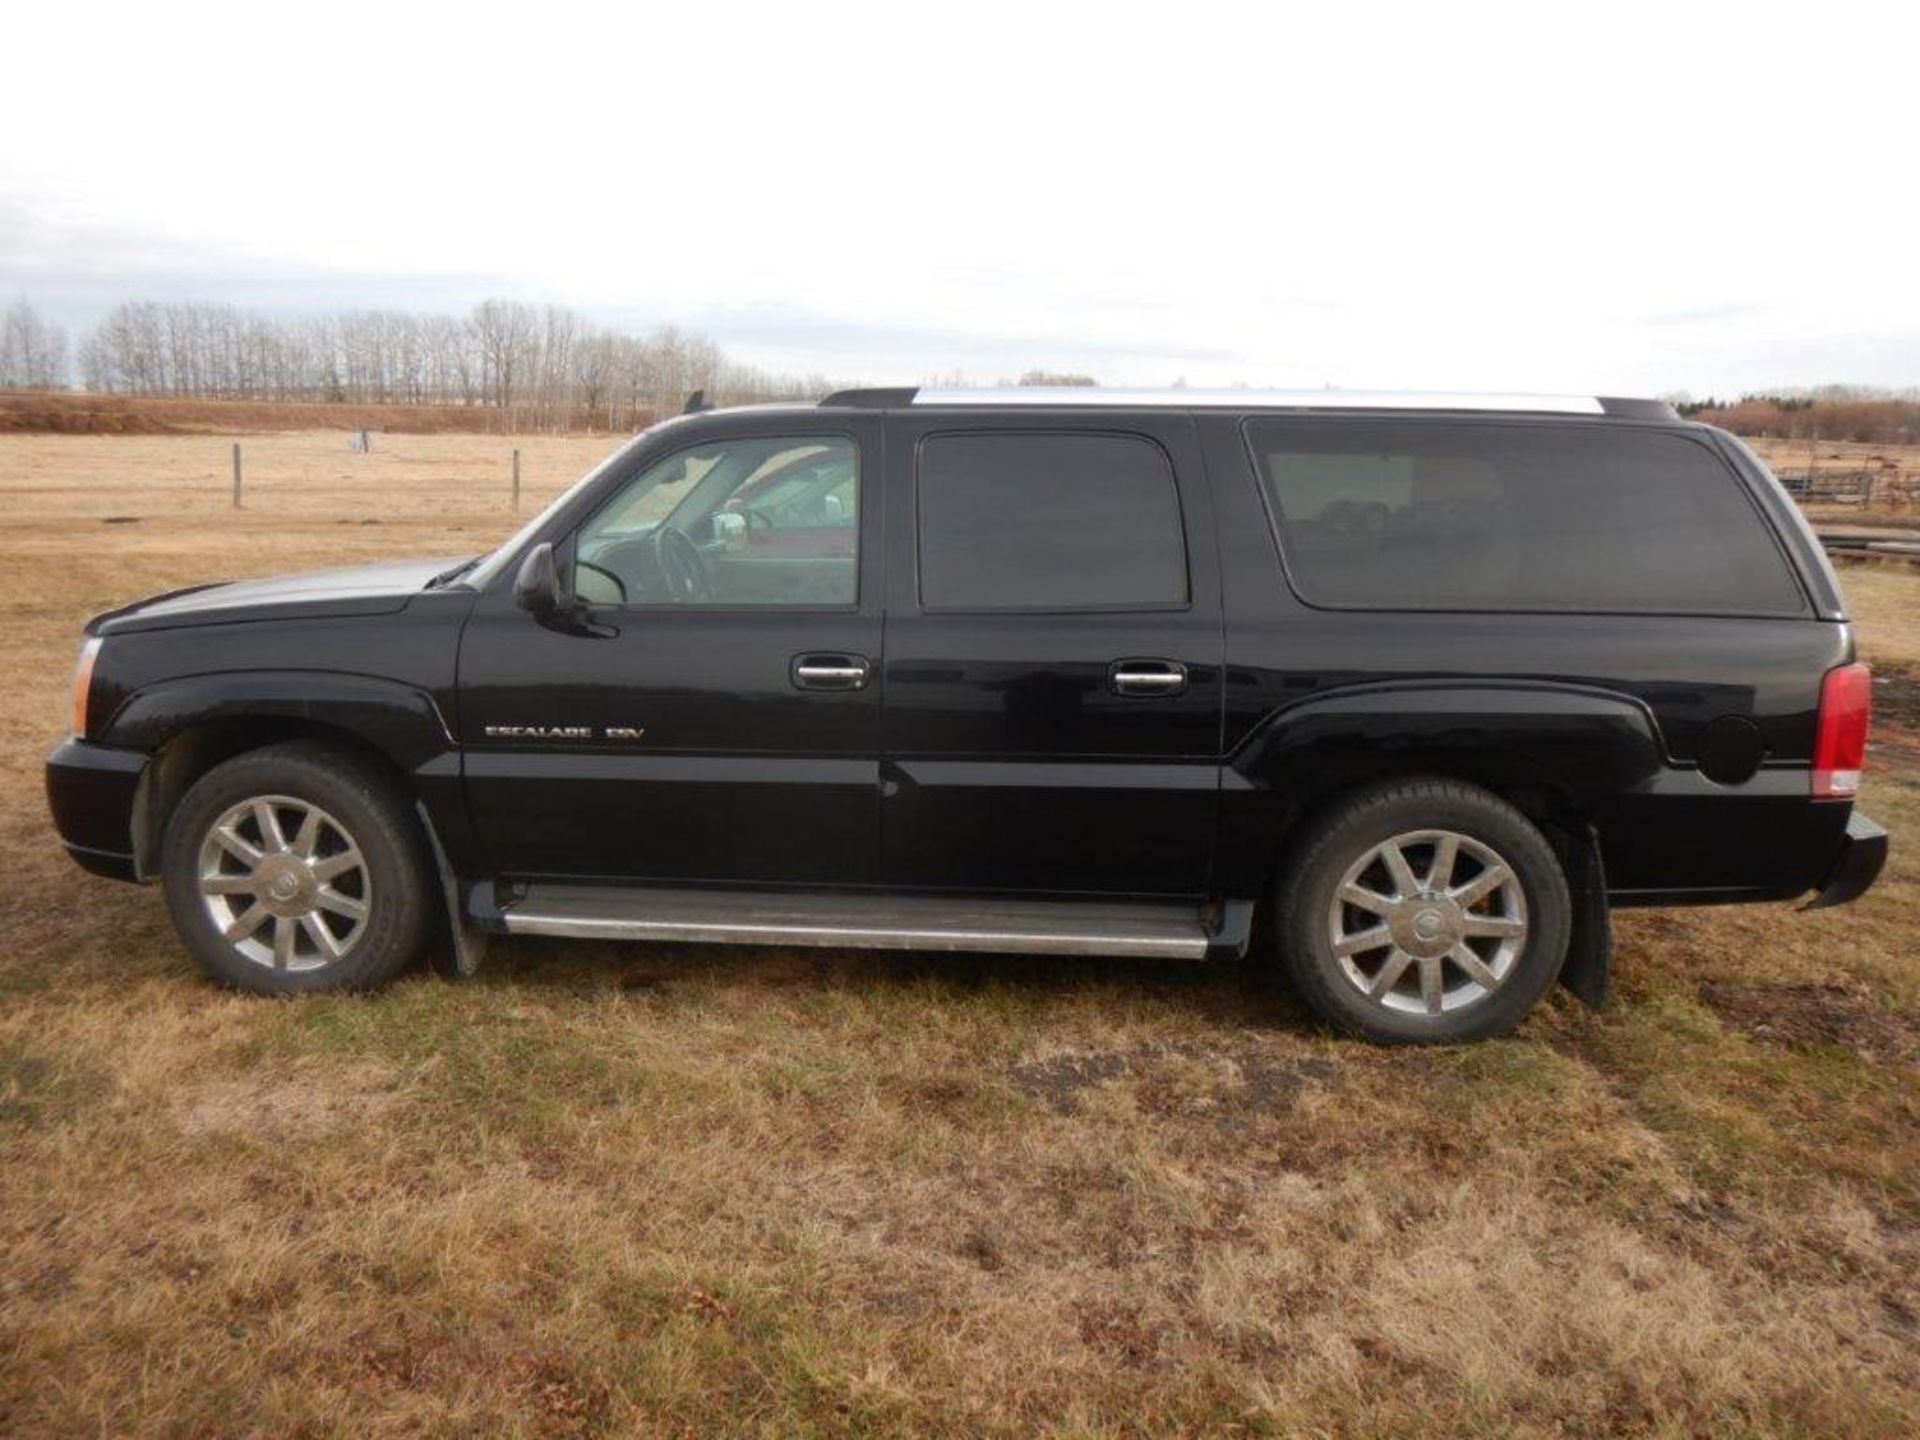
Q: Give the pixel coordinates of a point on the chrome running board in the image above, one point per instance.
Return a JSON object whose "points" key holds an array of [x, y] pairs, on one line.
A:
{"points": [[881, 922]]}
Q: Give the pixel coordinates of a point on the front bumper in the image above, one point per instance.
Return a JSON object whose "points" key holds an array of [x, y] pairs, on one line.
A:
{"points": [[91, 790], [1863, 851]]}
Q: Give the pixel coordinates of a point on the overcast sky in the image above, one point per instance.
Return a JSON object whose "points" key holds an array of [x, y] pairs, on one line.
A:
{"points": [[1605, 198]]}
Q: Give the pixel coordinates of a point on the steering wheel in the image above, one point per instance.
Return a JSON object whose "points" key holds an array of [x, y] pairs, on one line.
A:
{"points": [[681, 566], [588, 576]]}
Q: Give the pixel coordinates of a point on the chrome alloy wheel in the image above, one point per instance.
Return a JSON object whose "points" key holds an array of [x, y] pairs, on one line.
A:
{"points": [[284, 883], [1428, 922]]}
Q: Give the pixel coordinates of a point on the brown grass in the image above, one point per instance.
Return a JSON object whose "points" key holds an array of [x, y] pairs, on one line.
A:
{"points": [[61, 413], [659, 1190]]}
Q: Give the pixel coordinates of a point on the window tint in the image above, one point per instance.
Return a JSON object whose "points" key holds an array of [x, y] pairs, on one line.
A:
{"points": [[1048, 522], [770, 521], [1396, 514]]}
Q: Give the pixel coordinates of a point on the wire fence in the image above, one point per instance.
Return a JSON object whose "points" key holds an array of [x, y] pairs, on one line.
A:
{"points": [[347, 476]]}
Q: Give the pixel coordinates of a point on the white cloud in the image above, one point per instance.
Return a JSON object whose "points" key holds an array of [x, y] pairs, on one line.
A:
{"points": [[1625, 199]]}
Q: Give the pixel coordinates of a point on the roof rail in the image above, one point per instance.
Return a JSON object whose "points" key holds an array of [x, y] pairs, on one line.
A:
{"points": [[1094, 397]]}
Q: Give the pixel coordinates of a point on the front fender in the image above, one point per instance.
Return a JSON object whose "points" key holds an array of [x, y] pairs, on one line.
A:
{"points": [[1569, 746], [400, 721], [215, 715]]}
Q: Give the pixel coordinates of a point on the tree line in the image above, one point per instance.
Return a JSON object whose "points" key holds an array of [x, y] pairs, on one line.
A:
{"points": [[1829, 412], [548, 367], [539, 366]]}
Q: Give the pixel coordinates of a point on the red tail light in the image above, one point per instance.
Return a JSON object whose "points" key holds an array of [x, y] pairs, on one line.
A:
{"points": [[1840, 735]]}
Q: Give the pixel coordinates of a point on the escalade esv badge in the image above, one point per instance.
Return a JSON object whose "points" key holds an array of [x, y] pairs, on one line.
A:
{"points": [[563, 732]]}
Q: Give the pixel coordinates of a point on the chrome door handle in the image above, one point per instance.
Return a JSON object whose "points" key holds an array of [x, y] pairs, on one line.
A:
{"points": [[1147, 677], [830, 672]]}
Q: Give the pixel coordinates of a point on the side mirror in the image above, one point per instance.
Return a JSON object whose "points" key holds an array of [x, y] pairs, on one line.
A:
{"points": [[536, 589]]}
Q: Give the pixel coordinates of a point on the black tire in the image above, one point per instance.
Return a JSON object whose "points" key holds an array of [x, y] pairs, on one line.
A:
{"points": [[365, 819], [1524, 962]]}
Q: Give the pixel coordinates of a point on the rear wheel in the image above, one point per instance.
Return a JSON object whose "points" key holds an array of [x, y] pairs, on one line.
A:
{"points": [[1423, 911], [298, 867]]}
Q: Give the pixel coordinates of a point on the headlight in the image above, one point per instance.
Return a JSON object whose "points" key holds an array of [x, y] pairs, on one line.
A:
{"points": [[83, 685]]}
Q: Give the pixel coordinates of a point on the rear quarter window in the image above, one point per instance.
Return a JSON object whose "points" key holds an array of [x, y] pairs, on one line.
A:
{"points": [[1442, 516]]}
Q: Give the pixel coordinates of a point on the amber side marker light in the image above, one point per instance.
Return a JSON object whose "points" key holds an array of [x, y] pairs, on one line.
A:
{"points": [[1840, 734], [83, 686]]}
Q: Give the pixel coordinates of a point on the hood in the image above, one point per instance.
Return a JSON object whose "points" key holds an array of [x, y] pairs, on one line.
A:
{"points": [[356, 590]]}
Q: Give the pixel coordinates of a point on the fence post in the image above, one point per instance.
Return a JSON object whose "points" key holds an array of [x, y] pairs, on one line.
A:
{"points": [[236, 474], [516, 478]]}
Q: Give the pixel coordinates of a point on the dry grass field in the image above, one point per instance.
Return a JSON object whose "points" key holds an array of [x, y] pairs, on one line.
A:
{"points": [[611, 1190]]}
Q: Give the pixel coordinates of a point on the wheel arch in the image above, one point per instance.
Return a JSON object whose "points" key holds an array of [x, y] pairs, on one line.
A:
{"points": [[1553, 752], [1336, 776], [191, 725]]}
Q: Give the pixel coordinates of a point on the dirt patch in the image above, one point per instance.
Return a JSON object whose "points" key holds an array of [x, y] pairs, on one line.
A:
{"points": [[1060, 1081], [1896, 712], [1804, 1017], [1176, 1078], [1896, 698], [287, 1107]]}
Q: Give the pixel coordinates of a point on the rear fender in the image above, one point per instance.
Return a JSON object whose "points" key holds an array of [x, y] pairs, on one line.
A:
{"points": [[1552, 750]]}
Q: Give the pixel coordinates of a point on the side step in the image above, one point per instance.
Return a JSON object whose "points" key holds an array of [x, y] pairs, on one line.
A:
{"points": [[881, 922]]}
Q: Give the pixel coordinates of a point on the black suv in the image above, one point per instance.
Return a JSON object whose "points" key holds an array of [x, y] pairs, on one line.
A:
{"points": [[1427, 682]]}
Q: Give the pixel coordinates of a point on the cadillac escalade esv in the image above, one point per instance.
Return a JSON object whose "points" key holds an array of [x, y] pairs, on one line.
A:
{"points": [[1425, 683]]}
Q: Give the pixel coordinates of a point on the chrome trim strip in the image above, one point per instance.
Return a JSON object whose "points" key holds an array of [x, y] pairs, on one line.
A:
{"points": [[1096, 397], [863, 922], [852, 937]]}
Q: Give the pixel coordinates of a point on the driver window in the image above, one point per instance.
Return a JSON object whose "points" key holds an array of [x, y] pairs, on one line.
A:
{"points": [[766, 521]]}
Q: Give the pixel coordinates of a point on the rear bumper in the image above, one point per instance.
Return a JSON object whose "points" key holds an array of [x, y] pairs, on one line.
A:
{"points": [[1863, 852], [91, 790]]}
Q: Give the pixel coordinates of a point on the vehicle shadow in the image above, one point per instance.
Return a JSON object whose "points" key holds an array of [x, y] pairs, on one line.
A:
{"points": [[1223, 993]]}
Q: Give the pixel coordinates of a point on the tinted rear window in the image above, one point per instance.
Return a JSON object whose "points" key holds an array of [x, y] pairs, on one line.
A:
{"points": [[1412, 515], [1013, 521]]}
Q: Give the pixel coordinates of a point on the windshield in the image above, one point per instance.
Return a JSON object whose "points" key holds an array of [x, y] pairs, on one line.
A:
{"points": [[497, 559]]}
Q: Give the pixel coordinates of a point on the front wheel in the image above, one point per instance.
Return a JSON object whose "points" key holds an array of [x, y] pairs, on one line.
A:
{"points": [[1424, 911], [297, 867]]}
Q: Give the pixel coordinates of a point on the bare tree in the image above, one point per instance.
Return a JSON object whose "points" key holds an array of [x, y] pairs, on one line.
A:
{"points": [[33, 352], [505, 329]]}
